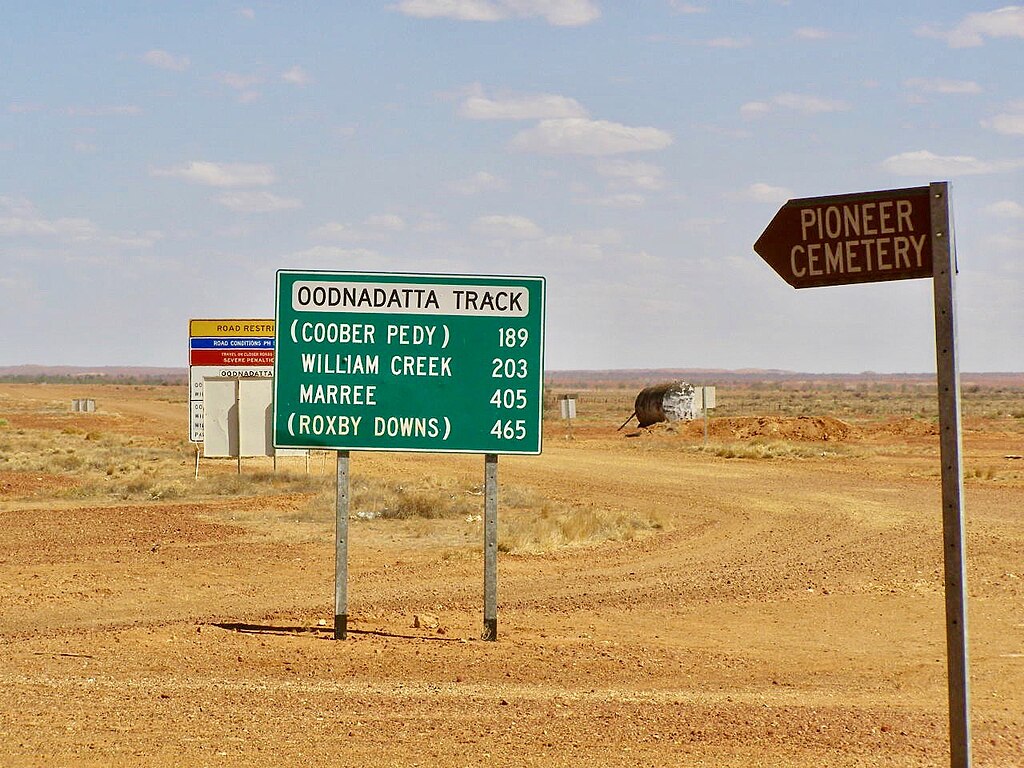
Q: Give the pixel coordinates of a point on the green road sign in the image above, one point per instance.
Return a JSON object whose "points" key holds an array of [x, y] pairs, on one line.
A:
{"points": [[403, 362]]}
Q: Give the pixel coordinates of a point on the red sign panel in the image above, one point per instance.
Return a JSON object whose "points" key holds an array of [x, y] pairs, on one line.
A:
{"points": [[231, 357], [862, 238]]}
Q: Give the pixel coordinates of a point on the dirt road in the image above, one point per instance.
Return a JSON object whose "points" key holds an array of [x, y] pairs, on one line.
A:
{"points": [[788, 613]]}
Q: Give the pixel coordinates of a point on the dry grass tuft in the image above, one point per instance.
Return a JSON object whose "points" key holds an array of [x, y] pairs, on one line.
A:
{"points": [[533, 532], [375, 499], [777, 449]]}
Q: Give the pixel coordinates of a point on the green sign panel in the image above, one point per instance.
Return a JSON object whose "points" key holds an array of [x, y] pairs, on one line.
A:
{"points": [[403, 362]]}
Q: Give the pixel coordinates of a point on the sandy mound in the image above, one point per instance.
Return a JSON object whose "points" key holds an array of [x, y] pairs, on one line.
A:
{"points": [[907, 427]]}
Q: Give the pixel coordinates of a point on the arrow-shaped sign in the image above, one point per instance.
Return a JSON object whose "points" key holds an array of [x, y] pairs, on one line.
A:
{"points": [[862, 238]]}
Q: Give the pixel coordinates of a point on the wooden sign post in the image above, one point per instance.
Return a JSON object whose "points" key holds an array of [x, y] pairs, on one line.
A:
{"points": [[897, 234]]}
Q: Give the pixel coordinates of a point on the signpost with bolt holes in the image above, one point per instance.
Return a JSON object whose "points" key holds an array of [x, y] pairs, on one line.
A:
{"points": [[894, 235], [410, 362]]}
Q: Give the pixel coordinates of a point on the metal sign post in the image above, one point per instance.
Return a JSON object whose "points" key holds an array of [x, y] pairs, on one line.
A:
{"points": [[341, 549], [490, 547], [897, 234], [950, 442]]}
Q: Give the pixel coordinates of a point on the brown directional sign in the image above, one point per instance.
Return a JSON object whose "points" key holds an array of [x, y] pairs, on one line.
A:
{"points": [[862, 238]]}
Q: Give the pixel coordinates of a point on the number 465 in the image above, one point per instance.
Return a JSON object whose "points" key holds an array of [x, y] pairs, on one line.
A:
{"points": [[509, 430]]}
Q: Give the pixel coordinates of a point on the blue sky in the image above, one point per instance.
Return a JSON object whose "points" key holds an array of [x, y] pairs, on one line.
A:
{"points": [[160, 161]]}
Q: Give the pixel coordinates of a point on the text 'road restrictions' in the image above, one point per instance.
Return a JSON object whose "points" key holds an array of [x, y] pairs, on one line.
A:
{"points": [[444, 363]]}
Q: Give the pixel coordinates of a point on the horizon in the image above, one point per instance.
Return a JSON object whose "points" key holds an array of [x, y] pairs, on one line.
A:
{"points": [[28, 369]]}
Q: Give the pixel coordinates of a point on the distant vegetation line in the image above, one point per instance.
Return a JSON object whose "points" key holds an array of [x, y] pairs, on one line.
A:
{"points": [[67, 374], [567, 379]]}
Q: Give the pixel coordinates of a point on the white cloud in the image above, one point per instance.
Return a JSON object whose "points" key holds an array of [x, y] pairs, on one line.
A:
{"points": [[580, 136], [461, 10], [809, 104], [766, 193], [64, 228], [728, 42], [429, 223], [164, 60], [17, 206], [20, 218], [221, 174], [567, 250], [114, 110], [296, 76], [18, 108], [687, 8], [940, 85], [812, 33], [975, 27], [1006, 242], [1007, 124], [386, 222], [702, 225], [632, 173], [334, 230], [244, 84], [618, 200], [561, 13], [238, 81], [507, 227], [376, 227], [257, 201], [755, 109], [1007, 209], [331, 257], [481, 181], [538, 106], [925, 163], [796, 102]]}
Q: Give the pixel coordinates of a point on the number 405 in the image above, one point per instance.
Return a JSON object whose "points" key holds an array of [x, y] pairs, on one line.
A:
{"points": [[509, 398]]}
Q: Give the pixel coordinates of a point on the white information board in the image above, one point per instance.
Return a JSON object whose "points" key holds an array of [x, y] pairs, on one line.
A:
{"points": [[220, 406], [703, 397]]}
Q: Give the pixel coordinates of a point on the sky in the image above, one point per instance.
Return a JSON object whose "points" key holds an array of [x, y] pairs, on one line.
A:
{"points": [[160, 161]]}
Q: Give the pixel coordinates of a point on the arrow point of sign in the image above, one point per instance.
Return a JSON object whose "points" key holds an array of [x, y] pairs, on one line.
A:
{"points": [[771, 246]]}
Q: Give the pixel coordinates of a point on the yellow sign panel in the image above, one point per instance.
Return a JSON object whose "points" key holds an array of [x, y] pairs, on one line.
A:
{"points": [[232, 328]]}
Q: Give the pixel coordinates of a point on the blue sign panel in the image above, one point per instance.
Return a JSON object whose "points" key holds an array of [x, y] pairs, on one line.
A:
{"points": [[221, 343]]}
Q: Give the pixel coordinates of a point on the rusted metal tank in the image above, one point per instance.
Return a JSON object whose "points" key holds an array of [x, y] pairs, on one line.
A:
{"points": [[669, 401]]}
